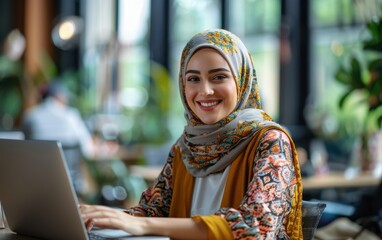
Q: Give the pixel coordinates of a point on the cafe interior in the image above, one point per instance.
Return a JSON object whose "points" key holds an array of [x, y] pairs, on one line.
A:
{"points": [[318, 64]]}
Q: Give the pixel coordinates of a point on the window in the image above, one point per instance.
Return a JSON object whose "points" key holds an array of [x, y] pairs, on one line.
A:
{"points": [[337, 28], [189, 18], [116, 63], [257, 23], [133, 69]]}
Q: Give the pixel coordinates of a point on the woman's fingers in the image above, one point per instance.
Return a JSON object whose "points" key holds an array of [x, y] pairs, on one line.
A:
{"points": [[89, 214], [103, 217]]}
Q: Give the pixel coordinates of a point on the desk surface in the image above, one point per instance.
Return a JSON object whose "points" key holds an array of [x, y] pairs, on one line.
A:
{"points": [[6, 234]]}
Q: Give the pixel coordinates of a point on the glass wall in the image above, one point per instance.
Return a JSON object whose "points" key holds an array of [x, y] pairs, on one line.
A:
{"points": [[99, 19], [134, 67], [133, 28], [257, 23], [188, 18], [117, 66], [337, 29]]}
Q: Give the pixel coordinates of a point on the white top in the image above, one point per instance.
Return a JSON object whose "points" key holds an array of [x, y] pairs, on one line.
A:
{"points": [[208, 193]]}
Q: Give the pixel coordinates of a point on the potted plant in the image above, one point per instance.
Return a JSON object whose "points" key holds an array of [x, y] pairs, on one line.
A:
{"points": [[363, 78]]}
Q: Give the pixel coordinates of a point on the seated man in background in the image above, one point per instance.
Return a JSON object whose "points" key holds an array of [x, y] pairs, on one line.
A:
{"points": [[54, 119]]}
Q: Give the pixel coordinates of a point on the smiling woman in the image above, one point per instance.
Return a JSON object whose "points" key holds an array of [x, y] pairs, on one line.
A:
{"points": [[233, 173]]}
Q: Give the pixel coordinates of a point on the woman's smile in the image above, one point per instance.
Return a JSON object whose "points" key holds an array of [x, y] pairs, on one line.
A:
{"points": [[208, 105]]}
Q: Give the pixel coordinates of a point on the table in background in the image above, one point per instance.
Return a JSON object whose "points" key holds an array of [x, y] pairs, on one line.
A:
{"points": [[339, 180], [330, 180]]}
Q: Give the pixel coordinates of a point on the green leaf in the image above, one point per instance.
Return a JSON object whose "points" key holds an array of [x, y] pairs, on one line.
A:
{"points": [[375, 42], [375, 65], [343, 98], [373, 46], [343, 76], [379, 121], [357, 81], [162, 80], [376, 86], [11, 102], [373, 28]]}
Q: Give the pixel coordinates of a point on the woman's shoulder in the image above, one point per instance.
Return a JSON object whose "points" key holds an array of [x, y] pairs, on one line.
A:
{"points": [[274, 142], [274, 134]]}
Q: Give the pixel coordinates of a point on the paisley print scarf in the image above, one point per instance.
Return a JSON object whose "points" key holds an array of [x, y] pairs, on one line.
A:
{"points": [[211, 148]]}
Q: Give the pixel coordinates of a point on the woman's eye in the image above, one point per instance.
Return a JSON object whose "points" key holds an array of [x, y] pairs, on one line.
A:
{"points": [[220, 77], [192, 79]]}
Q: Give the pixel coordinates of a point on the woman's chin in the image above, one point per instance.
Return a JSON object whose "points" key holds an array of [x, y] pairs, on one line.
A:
{"points": [[209, 121]]}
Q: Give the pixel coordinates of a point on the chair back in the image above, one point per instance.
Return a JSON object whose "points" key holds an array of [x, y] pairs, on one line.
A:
{"points": [[311, 215]]}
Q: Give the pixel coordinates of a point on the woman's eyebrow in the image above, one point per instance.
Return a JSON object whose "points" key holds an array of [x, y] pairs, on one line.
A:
{"points": [[218, 70], [209, 71], [192, 71]]}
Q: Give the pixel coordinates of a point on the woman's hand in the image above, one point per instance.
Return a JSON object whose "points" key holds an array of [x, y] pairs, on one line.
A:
{"points": [[175, 228], [106, 217]]}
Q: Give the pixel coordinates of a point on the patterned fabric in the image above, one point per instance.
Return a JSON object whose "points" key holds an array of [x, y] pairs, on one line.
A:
{"points": [[264, 209], [259, 211], [270, 205], [211, 148]]}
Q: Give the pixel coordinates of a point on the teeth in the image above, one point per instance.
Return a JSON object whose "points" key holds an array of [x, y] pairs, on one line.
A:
{"points": [[210, 104]]}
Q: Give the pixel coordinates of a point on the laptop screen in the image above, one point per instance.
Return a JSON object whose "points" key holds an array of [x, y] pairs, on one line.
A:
{"points": [[36, 191]]}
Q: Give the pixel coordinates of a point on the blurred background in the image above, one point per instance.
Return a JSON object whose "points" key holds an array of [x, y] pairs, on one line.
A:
{"points": [[120, 60]]}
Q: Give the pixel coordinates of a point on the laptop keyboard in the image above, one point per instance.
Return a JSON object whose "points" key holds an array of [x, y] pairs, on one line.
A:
{"points": [[105, 234], [94, 236]]}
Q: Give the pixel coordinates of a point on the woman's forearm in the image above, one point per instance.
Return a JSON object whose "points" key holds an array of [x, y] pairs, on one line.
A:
{"points": [[176, 228]]}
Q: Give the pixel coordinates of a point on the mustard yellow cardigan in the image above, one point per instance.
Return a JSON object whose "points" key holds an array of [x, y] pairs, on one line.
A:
{"points": [[239, 177]]}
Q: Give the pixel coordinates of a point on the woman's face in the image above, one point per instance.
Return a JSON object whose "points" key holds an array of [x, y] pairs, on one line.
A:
{"points": [[210, 86]]}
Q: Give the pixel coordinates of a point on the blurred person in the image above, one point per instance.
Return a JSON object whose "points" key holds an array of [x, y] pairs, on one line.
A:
{"points": [[54, 119], [233, 173]]}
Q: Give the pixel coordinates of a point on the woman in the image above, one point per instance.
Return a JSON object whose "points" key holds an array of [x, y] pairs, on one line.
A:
{"points": [[234, 173]]}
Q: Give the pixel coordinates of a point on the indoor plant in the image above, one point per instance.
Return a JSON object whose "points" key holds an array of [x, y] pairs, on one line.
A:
{"points": [[363, 77]]}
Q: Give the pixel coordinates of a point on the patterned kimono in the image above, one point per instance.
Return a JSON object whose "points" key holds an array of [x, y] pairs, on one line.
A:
{"points": [[262, 197]]}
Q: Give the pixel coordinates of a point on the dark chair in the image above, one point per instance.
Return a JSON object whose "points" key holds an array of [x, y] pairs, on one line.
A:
{"points": [[311, 215]]}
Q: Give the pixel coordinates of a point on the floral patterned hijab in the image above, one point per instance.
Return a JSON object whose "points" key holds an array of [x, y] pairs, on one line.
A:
{"points": [[211, 148], [208, 149]]}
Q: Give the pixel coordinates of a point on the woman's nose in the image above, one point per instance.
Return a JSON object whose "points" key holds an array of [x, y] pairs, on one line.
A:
{"points": [[206, 89]]}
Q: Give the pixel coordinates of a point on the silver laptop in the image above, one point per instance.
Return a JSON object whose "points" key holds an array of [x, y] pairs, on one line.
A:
{"points": [[37, 195]]}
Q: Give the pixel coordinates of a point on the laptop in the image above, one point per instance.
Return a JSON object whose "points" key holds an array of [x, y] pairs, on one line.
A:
{"points": [[37, 194]]}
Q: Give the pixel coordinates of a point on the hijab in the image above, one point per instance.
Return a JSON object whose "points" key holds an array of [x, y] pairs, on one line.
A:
{"points": [[210, 148]]}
